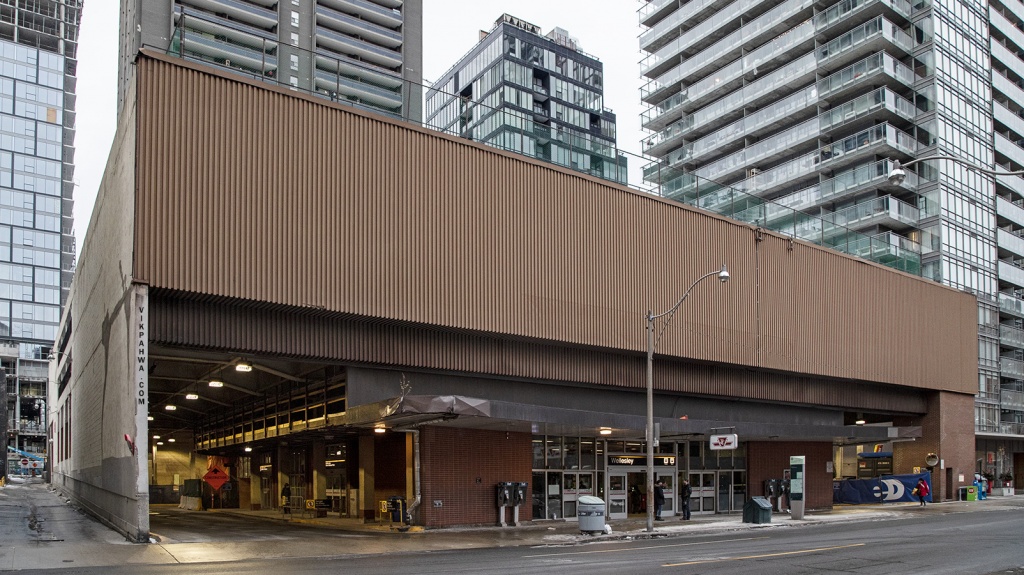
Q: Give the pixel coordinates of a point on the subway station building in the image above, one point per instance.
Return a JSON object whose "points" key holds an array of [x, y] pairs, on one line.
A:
{"points": [[289, 290]]}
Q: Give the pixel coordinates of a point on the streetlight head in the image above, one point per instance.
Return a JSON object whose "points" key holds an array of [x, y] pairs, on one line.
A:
{"points": [[723, 276], [897, 174]]}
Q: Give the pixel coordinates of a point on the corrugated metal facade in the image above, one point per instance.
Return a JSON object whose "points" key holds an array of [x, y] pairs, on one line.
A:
{"points": [[260, 195]]}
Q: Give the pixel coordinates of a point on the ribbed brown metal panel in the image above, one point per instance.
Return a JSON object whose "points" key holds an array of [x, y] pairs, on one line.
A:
{"points": [[203, 325], [267, 195]]}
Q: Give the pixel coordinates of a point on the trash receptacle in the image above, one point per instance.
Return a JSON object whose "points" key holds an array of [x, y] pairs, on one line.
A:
{"points": [[757, 510], [971, 493], [396, 505], [590, 511]]}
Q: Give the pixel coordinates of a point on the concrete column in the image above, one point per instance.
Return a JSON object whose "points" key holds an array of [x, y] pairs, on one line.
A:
{"points": [[367, 492]]}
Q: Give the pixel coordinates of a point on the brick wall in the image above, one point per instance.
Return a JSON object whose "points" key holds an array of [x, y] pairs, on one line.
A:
{"points": [[768, 459], [461, 467], [947, 430]]}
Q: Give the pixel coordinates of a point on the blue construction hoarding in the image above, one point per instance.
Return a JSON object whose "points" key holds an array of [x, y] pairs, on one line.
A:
{"points": [[884, 489]]}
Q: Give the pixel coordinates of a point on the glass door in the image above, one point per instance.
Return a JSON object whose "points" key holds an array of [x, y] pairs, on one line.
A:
{"points": [[617, 495], [702, 500], [669, 478], [724, 491]]}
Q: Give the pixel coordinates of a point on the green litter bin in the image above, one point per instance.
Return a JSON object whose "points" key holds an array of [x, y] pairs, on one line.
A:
{"points": [[757, 510]]}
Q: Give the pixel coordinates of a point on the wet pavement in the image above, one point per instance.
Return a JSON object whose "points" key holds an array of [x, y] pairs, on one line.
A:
{"points": [[41, 531]]}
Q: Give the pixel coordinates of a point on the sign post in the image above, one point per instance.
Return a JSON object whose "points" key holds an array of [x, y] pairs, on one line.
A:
{"points": [[796, 486]]}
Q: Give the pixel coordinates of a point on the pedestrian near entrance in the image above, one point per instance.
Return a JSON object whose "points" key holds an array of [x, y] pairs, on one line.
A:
{"points": [[922, 490], [286, 497], [659, 499], [686, 492]]}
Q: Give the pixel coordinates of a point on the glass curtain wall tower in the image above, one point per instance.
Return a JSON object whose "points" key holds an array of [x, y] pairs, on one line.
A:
{"points": [[365, 52], [539, 95], [805, 103], [38, 62]]}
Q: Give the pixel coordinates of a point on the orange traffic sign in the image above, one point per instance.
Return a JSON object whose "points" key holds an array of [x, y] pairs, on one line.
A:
{"points": [[215, 477]]}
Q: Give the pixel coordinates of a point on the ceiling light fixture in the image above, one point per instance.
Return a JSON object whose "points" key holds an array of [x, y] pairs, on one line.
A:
{"points": [[170, 407], [379, 429], [248, 449], [191, 396], [243, 366], [149, 418], [159, 442], [171, 440], [606, 431], [215, 383]]}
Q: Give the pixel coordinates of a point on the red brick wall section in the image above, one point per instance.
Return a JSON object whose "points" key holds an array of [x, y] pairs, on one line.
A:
{"points": [[768, 459], [461, 467], [947, 430]]}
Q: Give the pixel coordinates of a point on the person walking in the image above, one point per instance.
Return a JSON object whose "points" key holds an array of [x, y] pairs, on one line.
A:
{"points": [[286, 497], [659, 499], [922, 490], [686, 492]]}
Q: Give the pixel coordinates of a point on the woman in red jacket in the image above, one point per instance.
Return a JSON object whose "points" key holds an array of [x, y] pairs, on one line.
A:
{"points": [[922, 490]]}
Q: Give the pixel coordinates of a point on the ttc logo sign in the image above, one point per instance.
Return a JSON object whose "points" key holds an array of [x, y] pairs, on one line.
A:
{"points": [[724, 441]]}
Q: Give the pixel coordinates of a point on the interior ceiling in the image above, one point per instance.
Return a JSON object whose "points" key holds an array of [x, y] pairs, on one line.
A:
{"points": [[174, 373]]}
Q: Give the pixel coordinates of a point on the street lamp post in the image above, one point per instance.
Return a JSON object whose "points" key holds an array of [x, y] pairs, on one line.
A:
{"points": [[652, 342], [898, 174]]}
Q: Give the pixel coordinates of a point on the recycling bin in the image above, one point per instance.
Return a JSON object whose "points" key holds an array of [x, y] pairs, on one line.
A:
{"points": [[757, 510], [590, 511]]}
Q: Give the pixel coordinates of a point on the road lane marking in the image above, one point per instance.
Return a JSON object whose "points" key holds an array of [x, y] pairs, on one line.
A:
{"points": [[641, 548], [781, 554]]}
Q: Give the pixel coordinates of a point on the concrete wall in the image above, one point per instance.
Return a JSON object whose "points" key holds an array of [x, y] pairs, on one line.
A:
{"points": [[102, 474]]}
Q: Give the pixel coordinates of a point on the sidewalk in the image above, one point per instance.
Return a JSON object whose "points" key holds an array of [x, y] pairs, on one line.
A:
{"points": [[45, 532], [567, 532]]}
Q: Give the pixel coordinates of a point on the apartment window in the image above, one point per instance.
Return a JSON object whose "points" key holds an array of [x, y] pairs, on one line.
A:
{"points": [[295, 61], [295, 18], [294, 81], [295, 39]]}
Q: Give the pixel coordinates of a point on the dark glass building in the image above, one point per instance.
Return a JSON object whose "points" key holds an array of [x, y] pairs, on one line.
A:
{"points": [[539, 95]]}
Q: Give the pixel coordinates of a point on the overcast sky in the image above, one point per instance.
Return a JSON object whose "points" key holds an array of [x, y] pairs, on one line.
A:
{"points": [[606, 29]]}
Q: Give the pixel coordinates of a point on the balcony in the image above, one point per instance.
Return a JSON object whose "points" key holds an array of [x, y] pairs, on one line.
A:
{"points": [[1010, 241], [357, 27], [677, 22], [1008, 87], [881, 140], [1011, 336], [1013, 211], [1011, 367], [1011, 428], [1011, 304], [782, 18], [1008, 118], [1005, 56], [383, 98], [387, 17], [654, 10], [349, 46], [874, 35], [886, 211], [247, 59], [1008, 148], [1011, 271], [1003, 24], [241, 11]]}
